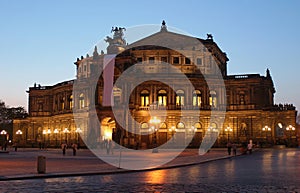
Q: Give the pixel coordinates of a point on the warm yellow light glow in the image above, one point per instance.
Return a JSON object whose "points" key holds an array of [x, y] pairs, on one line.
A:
{"points": [[66, 130], [290, 127], [107, 134], [19, 132], [55, 131]]}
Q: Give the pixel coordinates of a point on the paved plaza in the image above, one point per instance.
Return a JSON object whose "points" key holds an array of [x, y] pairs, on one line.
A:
{"points": [[23, 163], [266, 170]]}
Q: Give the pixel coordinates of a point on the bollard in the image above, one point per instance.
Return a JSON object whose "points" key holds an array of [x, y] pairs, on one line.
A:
{"points": [[41, 164]]}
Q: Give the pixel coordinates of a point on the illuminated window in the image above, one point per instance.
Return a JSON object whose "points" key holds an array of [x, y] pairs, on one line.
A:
{"points": [[180, 125], [162, 98], [81, 101], [213, 99], [197, 97], [71, 102], [179, 98], [145, 98], [117, 92], [144, 126], [62, 103]]}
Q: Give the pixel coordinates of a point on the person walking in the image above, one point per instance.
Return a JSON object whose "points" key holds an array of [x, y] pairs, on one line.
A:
{"points": [[234, 149], [74, 147], [111, 147], [249, 148], [229, 146], [64, 147]]}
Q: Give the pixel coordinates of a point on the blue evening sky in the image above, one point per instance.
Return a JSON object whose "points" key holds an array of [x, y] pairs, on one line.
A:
{"points": [[40, 40]]}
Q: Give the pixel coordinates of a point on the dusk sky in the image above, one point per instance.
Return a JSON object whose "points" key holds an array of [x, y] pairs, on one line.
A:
{"points": [[40, 40]]}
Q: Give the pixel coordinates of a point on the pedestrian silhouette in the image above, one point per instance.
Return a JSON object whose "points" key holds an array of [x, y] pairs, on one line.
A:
{"points": [[229, 146], [74, 147], [64, 147]]}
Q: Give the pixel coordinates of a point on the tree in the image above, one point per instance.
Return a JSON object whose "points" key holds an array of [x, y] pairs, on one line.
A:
{"points": [[7, 114]]}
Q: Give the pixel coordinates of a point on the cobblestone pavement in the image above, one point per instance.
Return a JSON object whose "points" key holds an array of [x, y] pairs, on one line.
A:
{"points": [[265, 171]]}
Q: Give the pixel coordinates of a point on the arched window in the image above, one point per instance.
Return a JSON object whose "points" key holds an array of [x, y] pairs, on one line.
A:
{"points": [[197, 126], [197, 98], [180, 125], [81, 101], [162, 98], [144, 126], [71, 102], [163, 126], [117, 92], [179, 98], [244, 130], [213, 99], [144, 98]]}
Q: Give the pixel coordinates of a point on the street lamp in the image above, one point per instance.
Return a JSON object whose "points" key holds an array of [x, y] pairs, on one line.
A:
{"points": [[18, 133], [78, 131], [228, 130], [49, 132], [155, 121], [173, 130], [66, 131], [266, 129], [4, 133], [289, 130], [56, 132], [44, 137]]}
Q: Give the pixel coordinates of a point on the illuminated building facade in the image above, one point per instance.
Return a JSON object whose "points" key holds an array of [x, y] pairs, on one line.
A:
{"points": [[247, 99]]}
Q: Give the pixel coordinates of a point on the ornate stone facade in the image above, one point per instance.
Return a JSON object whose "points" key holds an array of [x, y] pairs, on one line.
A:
{"points": [[247, 99]]}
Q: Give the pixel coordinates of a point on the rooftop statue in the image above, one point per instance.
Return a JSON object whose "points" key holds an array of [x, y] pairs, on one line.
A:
{"points": [[117, 42]]}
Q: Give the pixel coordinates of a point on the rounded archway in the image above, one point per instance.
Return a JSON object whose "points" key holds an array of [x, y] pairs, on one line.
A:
{"points": [[108, 128]]}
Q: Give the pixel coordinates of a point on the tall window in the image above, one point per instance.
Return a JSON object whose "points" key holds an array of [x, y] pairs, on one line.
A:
{"points": [[71, 102], [242, 98], [162, 98], [151, 60], [81, 101], [197, 97], [145, 98], [117, 92], [213, 99], [175, 60], [199, 61], [179, 98], [164, 59], [187, 61], [62, 103]]}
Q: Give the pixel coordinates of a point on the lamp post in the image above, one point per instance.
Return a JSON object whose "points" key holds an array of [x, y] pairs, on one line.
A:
{"points": [[266, 129], [49, 132], [155, 121], [66, 131], [55, 132], [289, 130], [18, 135], [228, 130], [4, 133], [78, 131], [44, 138]]}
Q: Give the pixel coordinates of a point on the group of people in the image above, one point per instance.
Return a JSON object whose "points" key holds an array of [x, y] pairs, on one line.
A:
{"points": [[109, 146], [64, 147], [244, 150]]}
